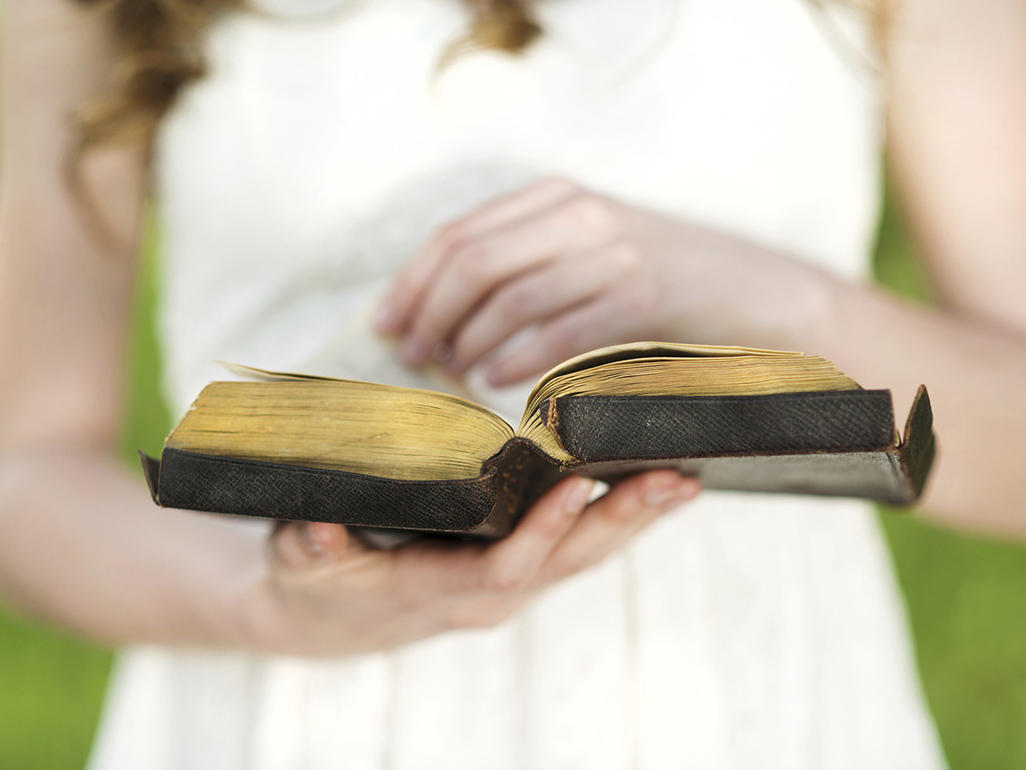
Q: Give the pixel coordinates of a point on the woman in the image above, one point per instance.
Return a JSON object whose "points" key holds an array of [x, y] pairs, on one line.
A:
{"points": [[707, 173]]}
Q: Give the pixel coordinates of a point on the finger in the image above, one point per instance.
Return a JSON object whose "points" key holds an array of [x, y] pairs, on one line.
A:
{"points": [[408, 288], [611, 521], [605, 320], [502, 566], [478, 267], [512, 564], [538, 294], [505, 209], [302, 545]]}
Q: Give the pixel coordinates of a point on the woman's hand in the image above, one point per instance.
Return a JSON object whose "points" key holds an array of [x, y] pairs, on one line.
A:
{"points": [[589, 271], [325, 594]]}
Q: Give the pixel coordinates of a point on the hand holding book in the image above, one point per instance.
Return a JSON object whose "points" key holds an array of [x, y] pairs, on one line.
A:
{"points": [[346, 599]]}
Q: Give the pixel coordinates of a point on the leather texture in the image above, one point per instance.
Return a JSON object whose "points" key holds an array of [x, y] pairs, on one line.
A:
{"points": [[837, 443], [226, 485], [614, 427], [918, 446]]}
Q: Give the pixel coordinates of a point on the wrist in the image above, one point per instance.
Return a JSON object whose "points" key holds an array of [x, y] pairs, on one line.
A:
{"points": [[237, 607], [257, 620], [757, 296], [767, 300], [279, 619]]}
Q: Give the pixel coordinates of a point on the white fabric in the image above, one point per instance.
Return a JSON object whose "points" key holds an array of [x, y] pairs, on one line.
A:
{"points": [[745, 631]]}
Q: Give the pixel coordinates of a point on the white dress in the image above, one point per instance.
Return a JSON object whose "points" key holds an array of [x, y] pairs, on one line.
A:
{"points": [[323, 149]]}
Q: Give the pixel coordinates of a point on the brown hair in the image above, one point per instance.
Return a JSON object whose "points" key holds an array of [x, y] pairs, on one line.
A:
{"points": [[160, 53]]}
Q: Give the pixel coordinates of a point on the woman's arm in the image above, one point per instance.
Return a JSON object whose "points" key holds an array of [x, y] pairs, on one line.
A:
{"points": [[956, 98], [80, 543]]}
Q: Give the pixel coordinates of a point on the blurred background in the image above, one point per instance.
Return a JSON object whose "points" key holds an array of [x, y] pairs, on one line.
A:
{"points": [[966, 599]]}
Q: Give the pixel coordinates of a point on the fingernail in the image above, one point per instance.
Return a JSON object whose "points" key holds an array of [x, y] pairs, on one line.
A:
{"points": [[687, 488], [313, 547], [442, 352], [495, 377], [414, 352], [661, 495], [659, 498], [683, 490], [386, 319], [578, 495]]}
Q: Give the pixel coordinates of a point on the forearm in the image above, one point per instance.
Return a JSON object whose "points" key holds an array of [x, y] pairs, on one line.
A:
{"points": [[82, 547], [975, 374]]}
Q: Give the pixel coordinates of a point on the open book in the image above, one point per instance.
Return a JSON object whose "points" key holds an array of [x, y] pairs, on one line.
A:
{"points": [[321, 449]]}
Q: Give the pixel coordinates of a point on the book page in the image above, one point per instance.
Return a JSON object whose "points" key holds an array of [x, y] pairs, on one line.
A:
{"points": [[317, 422]]}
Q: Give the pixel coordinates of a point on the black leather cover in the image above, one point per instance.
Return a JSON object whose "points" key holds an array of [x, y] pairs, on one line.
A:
{"points": [[840, 443], [613, 427]]}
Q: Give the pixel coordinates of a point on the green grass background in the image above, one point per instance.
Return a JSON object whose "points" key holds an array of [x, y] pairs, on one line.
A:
{"points": [[966, 599]]}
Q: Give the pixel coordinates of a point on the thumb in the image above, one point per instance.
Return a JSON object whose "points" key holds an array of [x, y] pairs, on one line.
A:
{"points": [[301, 545]]}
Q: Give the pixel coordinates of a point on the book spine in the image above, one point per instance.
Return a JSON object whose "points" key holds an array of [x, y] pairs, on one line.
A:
{"points": [[523, 474]]}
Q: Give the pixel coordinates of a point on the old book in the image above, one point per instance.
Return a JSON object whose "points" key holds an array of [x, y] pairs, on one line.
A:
{"points": [[320, 449]]}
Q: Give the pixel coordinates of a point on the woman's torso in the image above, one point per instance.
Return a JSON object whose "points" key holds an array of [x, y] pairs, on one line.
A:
{"points": [[315, 160]]}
